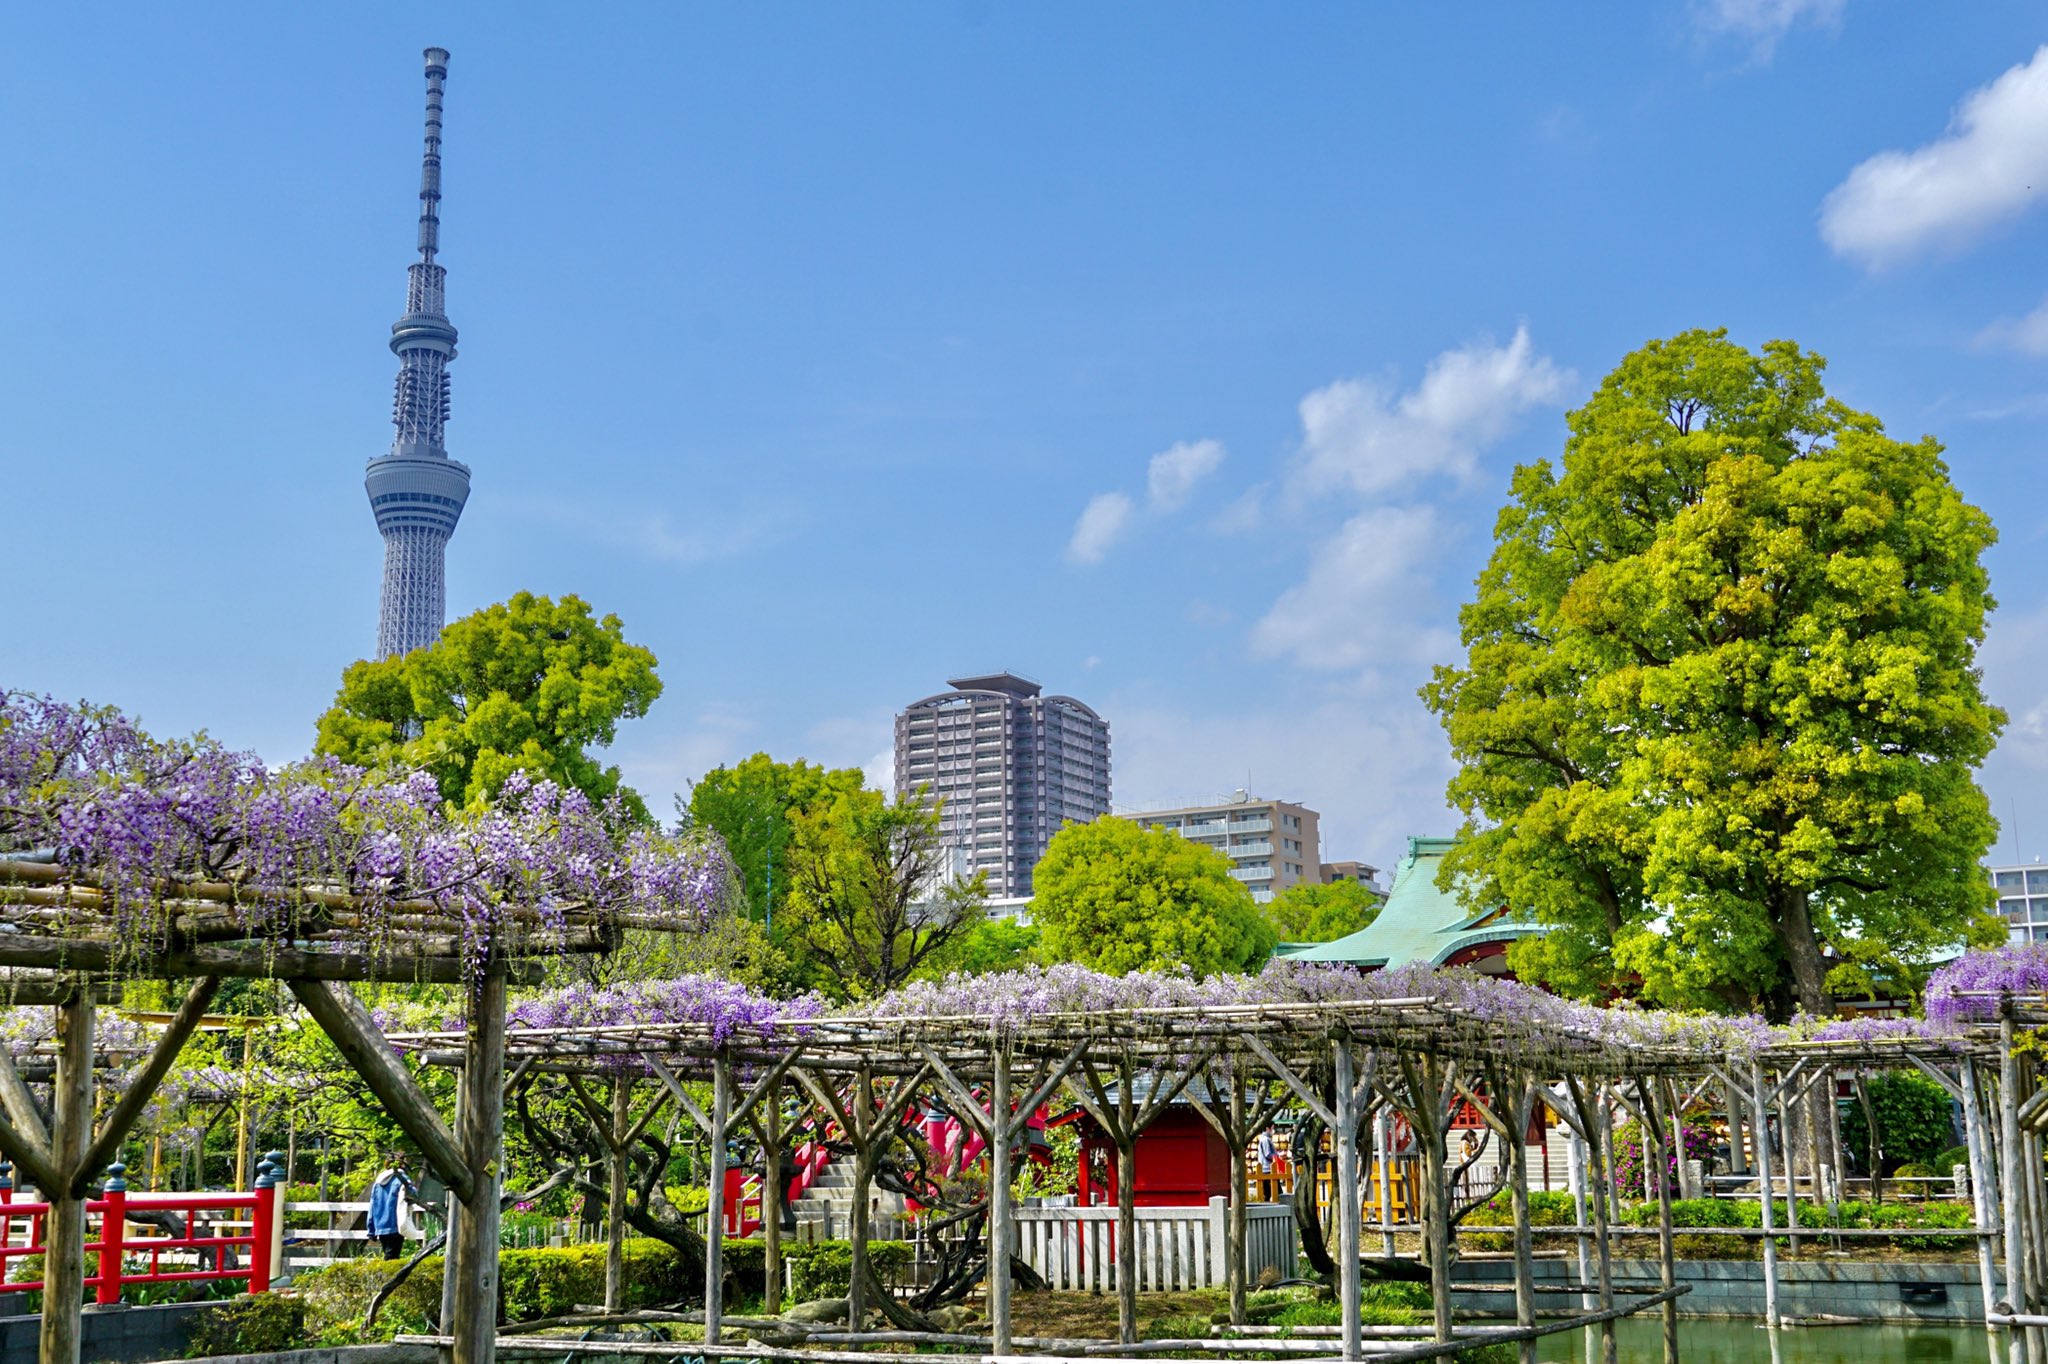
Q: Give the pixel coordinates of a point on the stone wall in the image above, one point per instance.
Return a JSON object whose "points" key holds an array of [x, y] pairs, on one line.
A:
{"points": [[1863, 1290]]}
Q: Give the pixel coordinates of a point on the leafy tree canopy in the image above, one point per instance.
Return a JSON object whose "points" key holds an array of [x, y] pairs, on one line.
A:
{"points": [[1719, 713], [528, 684], [1308, 912], [1115, 897], [753, 806], [871, 895]]}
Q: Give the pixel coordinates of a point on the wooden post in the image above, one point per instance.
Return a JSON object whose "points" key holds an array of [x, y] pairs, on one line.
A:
{"points": [[1518, 1177], [1661, 1163], [479, 1129], [451, 1244], [1349, 1214], [1383, 1171], [1001, 1214], [1235, 1261], [1981, 1189], [714, 1221], [71, 1133], [1575, 1180], [867, 1149], [1603, 1190], [1761, 1120], [615, 1199], [772, 1177], [2011, 1192]]}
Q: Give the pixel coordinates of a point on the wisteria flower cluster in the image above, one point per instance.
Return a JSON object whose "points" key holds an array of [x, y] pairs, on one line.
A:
{"points": [[316, 851], [1972, 986], [1516, 1018], [729, 1010]]}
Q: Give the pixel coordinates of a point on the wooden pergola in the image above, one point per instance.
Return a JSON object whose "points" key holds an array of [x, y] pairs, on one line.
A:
{"points": [[62, 944], [1347, 1061]]}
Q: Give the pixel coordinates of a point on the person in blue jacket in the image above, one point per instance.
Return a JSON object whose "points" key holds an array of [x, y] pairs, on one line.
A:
{"points": [[388, 1192]]}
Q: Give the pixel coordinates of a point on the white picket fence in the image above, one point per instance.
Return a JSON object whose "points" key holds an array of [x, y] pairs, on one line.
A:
{"points": [[1179, 1249]]}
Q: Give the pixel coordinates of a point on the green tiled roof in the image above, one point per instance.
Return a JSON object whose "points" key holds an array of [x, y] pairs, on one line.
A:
{"points": [[1419, 923]]}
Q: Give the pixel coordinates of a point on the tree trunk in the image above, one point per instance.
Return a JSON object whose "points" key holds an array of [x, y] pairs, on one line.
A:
{"points": [[1802, 953]]}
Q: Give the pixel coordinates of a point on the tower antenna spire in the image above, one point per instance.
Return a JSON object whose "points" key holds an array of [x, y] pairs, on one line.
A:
{"points": [[430, 159], [416, 492]]}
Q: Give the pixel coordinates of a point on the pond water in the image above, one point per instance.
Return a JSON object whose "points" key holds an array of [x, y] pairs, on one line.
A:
{"points": [[1641, 1341]]}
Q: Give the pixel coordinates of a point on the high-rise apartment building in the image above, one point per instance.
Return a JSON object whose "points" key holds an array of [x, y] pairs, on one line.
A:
{"points": [[416, 492], [2023, 900], [1271, 844], [1012, 767]]}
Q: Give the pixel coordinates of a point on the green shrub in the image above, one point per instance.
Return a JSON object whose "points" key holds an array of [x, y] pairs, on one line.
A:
{"points": [[1913, 1169], [1546, 1209], [824, 1269], [1914, 1120], [255, 1323], [1946, 1162]]}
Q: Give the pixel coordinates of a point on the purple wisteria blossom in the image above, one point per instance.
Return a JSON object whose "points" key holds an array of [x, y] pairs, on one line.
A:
{"points": [[131, 815], [1970, 987]]}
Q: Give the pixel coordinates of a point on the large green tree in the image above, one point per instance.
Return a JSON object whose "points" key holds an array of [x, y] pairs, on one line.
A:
{"points": [[1719, 714], [1311, 912], [530, 684], [1114, 896], [753, 806], [872, 893]]}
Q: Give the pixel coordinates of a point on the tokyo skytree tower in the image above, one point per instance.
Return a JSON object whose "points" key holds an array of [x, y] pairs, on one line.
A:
{"points": [[416, 491]]}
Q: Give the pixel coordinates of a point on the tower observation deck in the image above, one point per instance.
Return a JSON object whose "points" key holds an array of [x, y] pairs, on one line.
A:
{"points": [[416, 492]]}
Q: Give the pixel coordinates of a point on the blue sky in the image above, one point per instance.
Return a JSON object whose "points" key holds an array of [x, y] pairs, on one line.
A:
{"points": [[1176, 355]]}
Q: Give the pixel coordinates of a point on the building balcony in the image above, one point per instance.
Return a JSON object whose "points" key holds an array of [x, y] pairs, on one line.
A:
{"points": [[1251, 826], [1250, 850], [1252, 873], [1211, 828]]}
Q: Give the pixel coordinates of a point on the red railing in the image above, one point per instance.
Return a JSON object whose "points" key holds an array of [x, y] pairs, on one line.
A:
{"points": [[118, 1241]]}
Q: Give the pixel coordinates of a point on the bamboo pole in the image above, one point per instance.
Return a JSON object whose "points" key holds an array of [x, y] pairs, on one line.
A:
{"points": [[1383, 1166]]}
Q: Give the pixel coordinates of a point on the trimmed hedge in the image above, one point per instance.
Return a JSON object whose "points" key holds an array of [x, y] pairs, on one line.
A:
{"points": [[550, 1282], [1699, 1214]]}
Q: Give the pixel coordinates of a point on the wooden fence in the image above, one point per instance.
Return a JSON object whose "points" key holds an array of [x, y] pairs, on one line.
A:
{"points": [[1178, 1248]]}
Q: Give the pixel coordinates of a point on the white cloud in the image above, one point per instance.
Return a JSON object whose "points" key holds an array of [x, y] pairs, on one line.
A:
{"points": [[1245, 514], [1102, 523], [1358, 606], [1173, 474], [1372, 763], [654, 535], [1764, 22], [2015, 661], [2028, 334], [1358, 434], [1989, 167]]}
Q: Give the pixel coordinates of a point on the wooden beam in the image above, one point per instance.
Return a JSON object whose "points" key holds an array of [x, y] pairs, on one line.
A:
{"points": [[260, 961], [342, 1017], [143, 1087]]}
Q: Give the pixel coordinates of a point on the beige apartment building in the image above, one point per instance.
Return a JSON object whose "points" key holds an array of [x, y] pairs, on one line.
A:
{"points": [[1271, 844]]}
